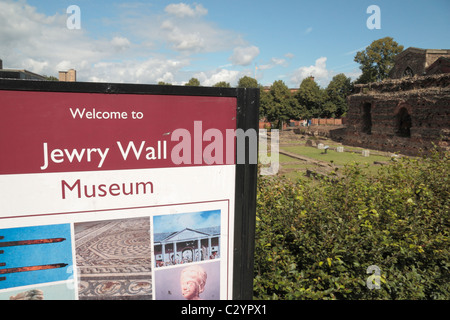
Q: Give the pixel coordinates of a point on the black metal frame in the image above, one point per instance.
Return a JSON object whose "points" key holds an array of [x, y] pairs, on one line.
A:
{"points": [[246, 174]]}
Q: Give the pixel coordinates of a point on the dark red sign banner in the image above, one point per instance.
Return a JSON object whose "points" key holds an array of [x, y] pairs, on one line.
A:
{"points": [[108, 132]]}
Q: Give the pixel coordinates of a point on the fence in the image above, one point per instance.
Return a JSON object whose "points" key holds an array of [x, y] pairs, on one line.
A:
{"points": [[330, 121], [298, 123]]}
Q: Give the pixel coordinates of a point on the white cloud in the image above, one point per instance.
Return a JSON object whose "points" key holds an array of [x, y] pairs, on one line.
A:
{"points": [[318, 71], [212, 77], [182, 39], [40, 43], [321, 74], [289, 55], [182, 10], [151, 70], [243, 56], [353, 74], [138, 51], [43, 44], [120, 43], [185, 31], [36, 66], [273, 63]]}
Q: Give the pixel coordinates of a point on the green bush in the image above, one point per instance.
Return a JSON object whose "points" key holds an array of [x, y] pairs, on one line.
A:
{"points": [[316, 239]]}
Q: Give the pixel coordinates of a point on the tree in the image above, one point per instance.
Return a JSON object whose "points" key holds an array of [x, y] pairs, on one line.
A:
{"points": [[51, 78], [337, 91], [311, 97], [222, 84], [377, 59], [264, 103], [193, 82], [280, 106], [247, 82]]}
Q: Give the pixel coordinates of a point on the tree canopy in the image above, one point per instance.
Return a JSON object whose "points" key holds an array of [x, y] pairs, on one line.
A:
{"points": [[222, 84], [337, 91], [311, 96], [279, 104], [247, 82], [377, 59], [193, 82]]}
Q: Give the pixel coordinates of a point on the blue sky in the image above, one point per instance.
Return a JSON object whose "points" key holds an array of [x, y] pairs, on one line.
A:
{"points": [[36, 255], [192, 220], [172, 41]]}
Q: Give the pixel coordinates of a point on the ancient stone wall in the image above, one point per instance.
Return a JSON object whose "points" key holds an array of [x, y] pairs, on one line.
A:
{"points": [[405, 116], [411, 59], [415, 62]]}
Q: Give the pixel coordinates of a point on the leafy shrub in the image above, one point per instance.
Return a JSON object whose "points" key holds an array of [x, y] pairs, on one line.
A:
{"points": [[316, 239]]}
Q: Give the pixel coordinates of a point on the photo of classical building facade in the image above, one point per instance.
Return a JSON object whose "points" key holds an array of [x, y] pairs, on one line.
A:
{"points": [[187, 245]]}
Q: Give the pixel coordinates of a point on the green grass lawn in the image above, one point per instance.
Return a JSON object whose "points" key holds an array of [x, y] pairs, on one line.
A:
{"points": [[296, 168], [337, 158], [285, 158]]}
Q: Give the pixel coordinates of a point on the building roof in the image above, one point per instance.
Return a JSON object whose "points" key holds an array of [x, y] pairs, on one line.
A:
{"points": [[423, 51], [20, 74], [416, 62], [441, 65], [186, 234]]}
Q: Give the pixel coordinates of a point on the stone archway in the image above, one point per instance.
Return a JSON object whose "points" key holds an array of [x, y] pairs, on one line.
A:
{"points": [[403, 123], [408, 72], [367, 118]]}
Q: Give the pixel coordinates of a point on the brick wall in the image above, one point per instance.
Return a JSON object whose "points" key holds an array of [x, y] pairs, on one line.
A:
{"points": [[406, 115], [417, 60], [323, 122]]}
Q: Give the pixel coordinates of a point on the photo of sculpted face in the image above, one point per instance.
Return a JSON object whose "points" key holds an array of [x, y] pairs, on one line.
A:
{"points": [[193, 280]]}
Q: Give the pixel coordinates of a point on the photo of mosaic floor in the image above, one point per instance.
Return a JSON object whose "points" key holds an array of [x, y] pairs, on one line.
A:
{"points": [[113, 259]]}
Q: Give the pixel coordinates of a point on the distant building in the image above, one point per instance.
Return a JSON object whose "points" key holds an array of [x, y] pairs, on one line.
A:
{"points": [[420, 62], [69, 75], [19, 74]]}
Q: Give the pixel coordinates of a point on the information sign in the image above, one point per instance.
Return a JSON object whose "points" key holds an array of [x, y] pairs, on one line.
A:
{"points": [[126, 191]]}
